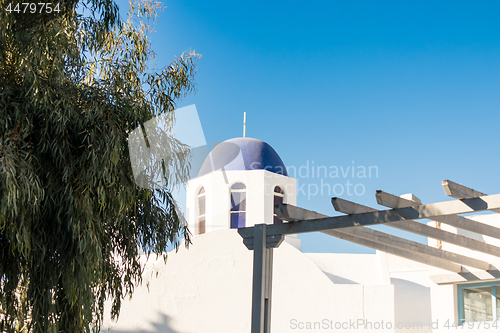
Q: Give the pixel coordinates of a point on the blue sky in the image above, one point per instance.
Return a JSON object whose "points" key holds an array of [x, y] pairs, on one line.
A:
{"points": [[409, 87]]}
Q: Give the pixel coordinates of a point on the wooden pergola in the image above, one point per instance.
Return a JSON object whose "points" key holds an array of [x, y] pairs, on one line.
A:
{"points": [[402, 214]]}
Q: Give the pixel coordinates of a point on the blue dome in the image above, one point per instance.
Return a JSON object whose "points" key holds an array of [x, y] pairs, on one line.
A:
{"points": [[243, 154]]}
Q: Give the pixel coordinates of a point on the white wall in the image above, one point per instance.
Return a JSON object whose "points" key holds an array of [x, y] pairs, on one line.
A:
{"points": [[340, 268], [419, 299], [207, 288], [444, 297]]}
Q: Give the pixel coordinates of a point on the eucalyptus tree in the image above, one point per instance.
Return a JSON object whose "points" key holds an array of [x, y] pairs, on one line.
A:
{"points": [[74, 81]]}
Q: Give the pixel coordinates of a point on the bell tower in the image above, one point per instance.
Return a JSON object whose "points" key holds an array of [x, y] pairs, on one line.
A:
{"points": [[238, 185]]}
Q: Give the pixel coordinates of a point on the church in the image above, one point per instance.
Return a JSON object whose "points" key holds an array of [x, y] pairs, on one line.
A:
{"points": [[208, 286]]}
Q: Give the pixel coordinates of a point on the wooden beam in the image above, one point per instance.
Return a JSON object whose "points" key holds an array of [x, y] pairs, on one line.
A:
{"points": [[415, 256], [408, 245], [386, 242], [478, 276], [393, 201], [349, 207], [468, 224], [292, 213], [387, 199], [383, 216], [459, 191], [446, 236], [384, 198]]}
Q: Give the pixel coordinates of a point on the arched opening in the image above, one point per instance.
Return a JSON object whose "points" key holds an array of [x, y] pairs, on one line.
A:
{"points": [[238, 206], [279, 196], [200, 218]]}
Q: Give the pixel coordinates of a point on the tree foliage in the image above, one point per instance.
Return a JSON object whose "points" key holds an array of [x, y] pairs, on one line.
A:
{"points": [[72, 86]]}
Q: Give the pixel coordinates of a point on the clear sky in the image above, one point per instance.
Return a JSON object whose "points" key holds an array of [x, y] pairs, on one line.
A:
{"points": [[411, 87]]}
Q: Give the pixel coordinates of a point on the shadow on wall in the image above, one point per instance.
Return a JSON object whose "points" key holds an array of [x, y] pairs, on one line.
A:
{"points": [[338, 279], [412, 304], [159, 327]]}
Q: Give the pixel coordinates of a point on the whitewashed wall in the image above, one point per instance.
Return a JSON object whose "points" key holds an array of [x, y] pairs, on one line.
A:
{"points": [[208, 289]]}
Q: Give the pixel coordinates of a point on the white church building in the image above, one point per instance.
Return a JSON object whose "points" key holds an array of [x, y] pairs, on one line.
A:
{"points": [[207, 288]]}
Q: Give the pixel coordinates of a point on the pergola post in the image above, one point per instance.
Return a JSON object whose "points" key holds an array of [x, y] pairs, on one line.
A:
{"points": [[262, 281]]}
